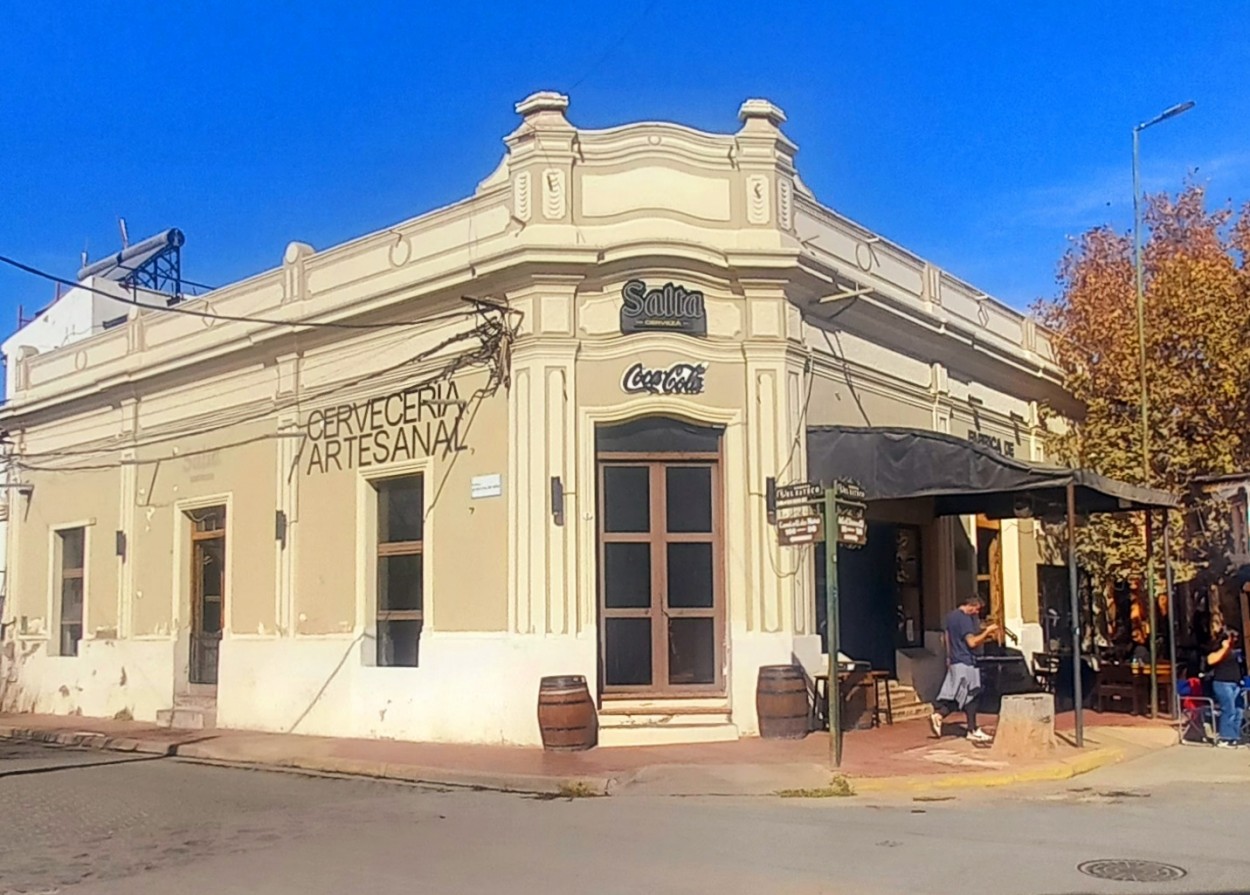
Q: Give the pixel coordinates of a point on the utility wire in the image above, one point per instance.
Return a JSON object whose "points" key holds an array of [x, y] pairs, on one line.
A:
{"points": [[810, 370], [612, 47], [442, 375], [492, 333], [317, 365], [210, 315]]}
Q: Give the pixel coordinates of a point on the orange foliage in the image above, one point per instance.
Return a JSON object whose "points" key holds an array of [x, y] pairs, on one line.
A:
{"points": [[1197, 324]]}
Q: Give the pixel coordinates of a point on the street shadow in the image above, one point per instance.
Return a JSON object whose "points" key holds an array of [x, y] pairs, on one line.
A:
{"points": [[80, 765], [33, 750]]}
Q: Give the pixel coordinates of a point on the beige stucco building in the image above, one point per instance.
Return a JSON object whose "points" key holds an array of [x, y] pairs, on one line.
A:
{"points": [[336, 498]]}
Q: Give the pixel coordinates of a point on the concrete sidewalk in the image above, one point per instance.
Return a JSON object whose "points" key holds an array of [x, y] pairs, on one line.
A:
{"points": [[898, 758]]}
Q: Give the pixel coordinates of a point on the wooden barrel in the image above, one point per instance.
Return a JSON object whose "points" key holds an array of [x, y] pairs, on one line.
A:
{"points": [[566, 714], [781, 702]]}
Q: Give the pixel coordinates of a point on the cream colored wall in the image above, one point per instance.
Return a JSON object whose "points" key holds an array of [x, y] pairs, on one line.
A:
{"points": [[64, 500], [238, 435], [215, 469], [466, 539], [1030, 558], [112, 673]]}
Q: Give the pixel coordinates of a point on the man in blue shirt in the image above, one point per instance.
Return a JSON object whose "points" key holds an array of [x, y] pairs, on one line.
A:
{"points": [[964, 636]]}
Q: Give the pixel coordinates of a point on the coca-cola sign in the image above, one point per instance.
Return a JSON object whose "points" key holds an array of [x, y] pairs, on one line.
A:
{"points": [[679, 379], [670, 308]]}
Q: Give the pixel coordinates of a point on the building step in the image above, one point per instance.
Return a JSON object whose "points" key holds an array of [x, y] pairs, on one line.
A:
{"points": [[912, 712], [189, 713], [906, 704], [903, 695], [897, 704], [667, 734], [658, 725]]}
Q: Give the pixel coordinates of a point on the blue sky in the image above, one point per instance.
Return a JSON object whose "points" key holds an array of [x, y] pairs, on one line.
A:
{"points": [[979, 135]]}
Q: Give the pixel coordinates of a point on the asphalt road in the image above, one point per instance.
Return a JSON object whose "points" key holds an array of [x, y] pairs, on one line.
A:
{"points": [[91, 822]]}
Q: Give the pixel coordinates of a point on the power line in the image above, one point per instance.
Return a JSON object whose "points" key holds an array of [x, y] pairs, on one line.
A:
{"points": [[491, 332], [180, 309], [448, 371], [612, 47], [307, 366]]}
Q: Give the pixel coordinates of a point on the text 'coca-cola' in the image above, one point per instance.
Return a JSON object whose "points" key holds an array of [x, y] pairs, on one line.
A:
{"points": [[679, 379]]}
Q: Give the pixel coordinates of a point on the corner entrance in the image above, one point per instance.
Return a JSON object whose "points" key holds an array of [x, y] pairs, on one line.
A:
{"points": [[661, 581]]}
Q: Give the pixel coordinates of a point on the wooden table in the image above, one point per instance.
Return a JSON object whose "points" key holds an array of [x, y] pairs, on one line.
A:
{"points": [[849, 681], [1125, 682]]}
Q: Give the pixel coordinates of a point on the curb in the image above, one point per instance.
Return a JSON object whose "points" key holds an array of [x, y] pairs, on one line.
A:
{"points": [[525, 784], [88, 740], [1064, 769], [521, 784]]}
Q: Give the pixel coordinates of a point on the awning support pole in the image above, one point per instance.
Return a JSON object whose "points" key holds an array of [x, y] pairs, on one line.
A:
{"points": [[1153, 615], [1078, 698], [833, 687], [1169, 575]]}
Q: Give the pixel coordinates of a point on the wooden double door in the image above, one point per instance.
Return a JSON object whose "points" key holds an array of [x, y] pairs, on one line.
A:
{"points": [[661, 579]]}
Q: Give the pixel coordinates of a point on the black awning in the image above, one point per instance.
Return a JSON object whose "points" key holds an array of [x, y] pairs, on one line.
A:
{"points": [[961, 476]]}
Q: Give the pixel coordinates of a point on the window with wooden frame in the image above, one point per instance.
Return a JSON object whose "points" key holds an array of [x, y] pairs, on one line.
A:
{"points": [[401, 569], [71, 560], [990, 566]]}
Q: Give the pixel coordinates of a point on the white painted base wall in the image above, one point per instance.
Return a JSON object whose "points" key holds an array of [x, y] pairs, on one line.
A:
{"points": [[470, 688], [105, 679]]}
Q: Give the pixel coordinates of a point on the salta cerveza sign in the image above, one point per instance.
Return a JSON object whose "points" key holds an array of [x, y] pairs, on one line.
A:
{"points": [[670, 308]]}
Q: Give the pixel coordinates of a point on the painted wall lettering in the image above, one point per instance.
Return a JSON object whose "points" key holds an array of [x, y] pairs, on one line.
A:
{"points": [[679, 379], [418, 422], [670, 308], [1002, 445], [202, 467]]}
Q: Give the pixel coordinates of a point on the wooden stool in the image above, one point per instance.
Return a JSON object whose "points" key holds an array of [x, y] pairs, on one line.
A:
{"points": [[881, 679]]}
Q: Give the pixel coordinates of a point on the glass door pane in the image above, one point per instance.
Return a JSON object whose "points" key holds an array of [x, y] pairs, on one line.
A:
{"points": [[627, 651], [627, 575], [626, 499], [691, 575], [691, 651], [688, 498]]}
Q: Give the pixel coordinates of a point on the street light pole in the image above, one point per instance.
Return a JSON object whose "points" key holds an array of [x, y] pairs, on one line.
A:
{"points": [[1141, 292], [1172, 112]]}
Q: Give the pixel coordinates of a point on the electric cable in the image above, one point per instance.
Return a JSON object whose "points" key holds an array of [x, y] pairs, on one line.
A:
{"points": [[233, 318], [492, 332]]}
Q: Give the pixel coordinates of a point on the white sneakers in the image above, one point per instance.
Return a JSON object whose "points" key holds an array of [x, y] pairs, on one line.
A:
{"points": [[978, 736]]}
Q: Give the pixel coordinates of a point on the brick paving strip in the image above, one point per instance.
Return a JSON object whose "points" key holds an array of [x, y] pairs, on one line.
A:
{"points": [[898, 758]]}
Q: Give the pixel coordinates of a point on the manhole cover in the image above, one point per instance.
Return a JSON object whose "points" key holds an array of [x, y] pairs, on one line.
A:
{"points": [[1131, 871]]}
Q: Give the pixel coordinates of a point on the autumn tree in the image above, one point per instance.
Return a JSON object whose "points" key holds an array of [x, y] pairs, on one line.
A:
{"points": [[1197, 287]]}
